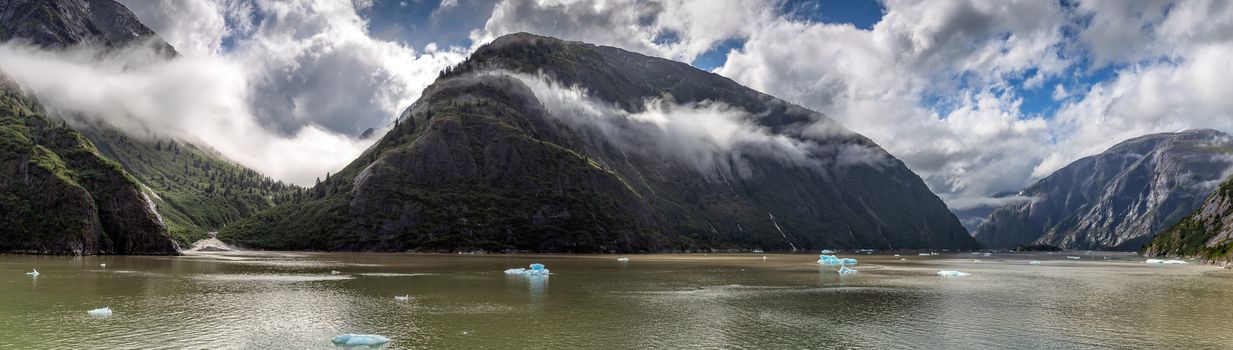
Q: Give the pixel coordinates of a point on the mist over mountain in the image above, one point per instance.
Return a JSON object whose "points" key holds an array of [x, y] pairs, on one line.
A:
{"points": [[539, 144], [1118, 199]]}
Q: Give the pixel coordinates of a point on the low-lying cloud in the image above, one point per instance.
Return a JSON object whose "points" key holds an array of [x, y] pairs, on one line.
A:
{"points": [[203, 100], [712, 138]]}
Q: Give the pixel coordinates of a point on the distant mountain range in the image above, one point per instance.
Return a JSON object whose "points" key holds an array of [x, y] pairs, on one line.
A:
{"points": [[1118, 199]]}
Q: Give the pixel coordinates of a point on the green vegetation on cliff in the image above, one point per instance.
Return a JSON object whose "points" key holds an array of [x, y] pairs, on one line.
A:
{"points": [[195, 191], [59, 195], [1204, 234]]}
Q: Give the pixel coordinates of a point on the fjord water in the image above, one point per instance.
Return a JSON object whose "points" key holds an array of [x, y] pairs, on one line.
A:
{"points": [[292, 300]]}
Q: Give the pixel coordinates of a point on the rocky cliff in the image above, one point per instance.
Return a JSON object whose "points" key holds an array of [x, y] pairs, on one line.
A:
{"points": [[489, 158], [1118, 199], [1207, 233], [60, 196]]}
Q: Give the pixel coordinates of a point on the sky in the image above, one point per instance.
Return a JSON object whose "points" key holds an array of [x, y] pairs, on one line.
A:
{"points": [[977, 97]]}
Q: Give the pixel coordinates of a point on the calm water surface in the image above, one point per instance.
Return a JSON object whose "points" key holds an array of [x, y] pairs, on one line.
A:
{"points": [[293, 300]]}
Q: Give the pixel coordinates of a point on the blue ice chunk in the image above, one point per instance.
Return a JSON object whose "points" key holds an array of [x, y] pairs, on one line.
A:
{"points": [[833, 260], [360, 340], [535, 270], [844, 270]]}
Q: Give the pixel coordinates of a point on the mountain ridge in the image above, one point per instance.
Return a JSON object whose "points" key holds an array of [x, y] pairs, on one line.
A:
{"points": [[1118, 199]]}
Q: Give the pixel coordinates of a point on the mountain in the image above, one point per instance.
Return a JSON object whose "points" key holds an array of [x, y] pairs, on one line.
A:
{"points": [[1118, 199], [60, 196], [191, 190], [486, 159], [65, 23], [1207, 233]]}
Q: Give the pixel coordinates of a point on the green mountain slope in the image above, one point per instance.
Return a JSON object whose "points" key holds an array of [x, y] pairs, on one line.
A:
{"points": [[195, 191], [1207, 234], [479, 162], [58, 195]]}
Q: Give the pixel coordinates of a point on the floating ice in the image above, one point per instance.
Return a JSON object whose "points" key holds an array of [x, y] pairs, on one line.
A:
{"points": [[827, 251], [1166, 262], [1072, 257], [334, 272], [402, 297], [622, 259], [535, 270], [844, 270], [1034, 262], [896, 254], [833, 260], [923, 254], [952, 273], [360, 340], [988, 254], [975, 260], [902, 259], [100, 312], [35, 273], [764, 257], [102, 265]]}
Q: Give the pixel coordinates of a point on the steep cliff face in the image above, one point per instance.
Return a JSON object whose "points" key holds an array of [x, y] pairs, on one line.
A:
{"points": [[1118, 199], [483, 161], [64, 23], [60, 196], [1207, 233]]}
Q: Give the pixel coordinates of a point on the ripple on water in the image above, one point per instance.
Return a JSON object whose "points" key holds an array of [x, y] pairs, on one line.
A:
{"points": [[283, 278]]}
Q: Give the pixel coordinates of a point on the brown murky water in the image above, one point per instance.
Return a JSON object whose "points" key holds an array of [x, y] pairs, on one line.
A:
{"points": [[293, 301]]}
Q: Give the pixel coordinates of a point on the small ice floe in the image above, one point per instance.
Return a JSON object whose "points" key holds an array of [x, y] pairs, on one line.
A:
{"points": [[933, 253], [100, 312], [360, 340], [923, 254], [334, 272], [757, 250], [988, 254], [1166, 262], [953, 274], [1034, 262], [535, 270], [896, 254], [402, 297], [1072, 257], [975, 260], [827, 251], [764, 257], [844, 270], [833, 260], [102, 265], [34, 273], [623, 259], [902, 259]]}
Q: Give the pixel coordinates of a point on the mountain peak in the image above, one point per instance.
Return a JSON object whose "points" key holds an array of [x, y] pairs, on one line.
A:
{"points": [[61, 24]]}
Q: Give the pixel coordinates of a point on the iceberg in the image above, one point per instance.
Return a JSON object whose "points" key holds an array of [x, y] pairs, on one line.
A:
{"points": [[360, 340], [833, 260], [100, 312], [844, 270], [622, 259], [827, 251], [535, 270], [1166, 262], [953, 274]]}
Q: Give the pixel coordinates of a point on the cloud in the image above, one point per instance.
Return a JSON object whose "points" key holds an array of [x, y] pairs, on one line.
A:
{"points": [[199, 100], [284, 88], [712, 138], [675, 29]]}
